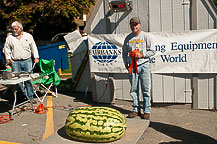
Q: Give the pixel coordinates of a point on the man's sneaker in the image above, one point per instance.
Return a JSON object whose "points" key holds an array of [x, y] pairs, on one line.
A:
{"points": [[33, 101], [145, 116], [133, 114]]}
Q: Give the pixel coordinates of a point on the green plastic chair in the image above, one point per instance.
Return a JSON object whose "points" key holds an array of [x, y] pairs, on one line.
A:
{"points": [[47, 79]]}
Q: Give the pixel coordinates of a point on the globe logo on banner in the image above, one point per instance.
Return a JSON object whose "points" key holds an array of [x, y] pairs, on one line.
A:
{"points": [[105, 53]]}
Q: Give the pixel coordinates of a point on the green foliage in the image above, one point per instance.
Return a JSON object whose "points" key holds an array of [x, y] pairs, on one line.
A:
{"points": [[215, 2], [52, 15]]}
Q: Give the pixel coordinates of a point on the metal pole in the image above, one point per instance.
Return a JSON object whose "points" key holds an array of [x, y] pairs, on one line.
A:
{"points": [[193, 16], [194, 26]]}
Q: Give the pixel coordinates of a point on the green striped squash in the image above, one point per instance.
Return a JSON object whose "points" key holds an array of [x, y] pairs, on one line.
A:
{"points": [[95, 124]]}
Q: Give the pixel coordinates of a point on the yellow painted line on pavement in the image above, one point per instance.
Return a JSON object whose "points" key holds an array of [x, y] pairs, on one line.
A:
{"points": [[49, 129], [4, 142]]}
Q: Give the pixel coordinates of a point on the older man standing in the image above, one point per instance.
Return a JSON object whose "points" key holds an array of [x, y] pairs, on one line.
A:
{"points": [[137, 49], [19, 47]]}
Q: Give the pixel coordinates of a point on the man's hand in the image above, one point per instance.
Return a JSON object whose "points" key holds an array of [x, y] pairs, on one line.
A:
{"points": [[10, 61], [36, 60]]}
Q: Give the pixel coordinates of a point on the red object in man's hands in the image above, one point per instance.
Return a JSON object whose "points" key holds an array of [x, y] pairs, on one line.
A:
{"points": [[133, 65]]}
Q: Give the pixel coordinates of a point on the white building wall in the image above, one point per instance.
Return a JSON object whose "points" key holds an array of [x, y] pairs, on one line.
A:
{"points": [[97, 20], [171, 88], [160, 16], [206, 93]]}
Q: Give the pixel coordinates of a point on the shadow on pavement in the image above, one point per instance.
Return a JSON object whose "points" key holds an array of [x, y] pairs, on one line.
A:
{"points": [[87, 98], [182, 135], [62, 133], [7, 100], [4, 107]]}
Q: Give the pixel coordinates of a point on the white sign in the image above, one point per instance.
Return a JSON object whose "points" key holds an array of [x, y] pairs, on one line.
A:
{"points": [[105, 53], [181, 52]]}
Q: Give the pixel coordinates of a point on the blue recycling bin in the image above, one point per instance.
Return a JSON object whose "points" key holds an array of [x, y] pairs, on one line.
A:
{"points": [[58, 52]]}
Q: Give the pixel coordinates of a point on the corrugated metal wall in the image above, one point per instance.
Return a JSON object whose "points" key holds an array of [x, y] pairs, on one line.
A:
{"points": [[161, 16], [206, 19], [155, 15], [206, 91], [169, 15], [172, 88]]}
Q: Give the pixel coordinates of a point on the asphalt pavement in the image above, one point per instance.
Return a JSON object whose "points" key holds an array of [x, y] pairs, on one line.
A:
{"points": [[178, 125], [168, 123]]}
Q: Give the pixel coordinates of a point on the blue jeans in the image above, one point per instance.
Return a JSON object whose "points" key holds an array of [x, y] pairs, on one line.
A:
{"points": [[144, 77], [24, 66]]}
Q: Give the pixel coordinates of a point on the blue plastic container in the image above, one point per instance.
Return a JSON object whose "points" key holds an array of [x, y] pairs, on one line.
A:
{"points": [[58, 52]]}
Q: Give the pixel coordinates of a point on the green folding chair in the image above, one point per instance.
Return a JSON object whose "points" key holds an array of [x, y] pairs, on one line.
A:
{"points": [[47, 79]]}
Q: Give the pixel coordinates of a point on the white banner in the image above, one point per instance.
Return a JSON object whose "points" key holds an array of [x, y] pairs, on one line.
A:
{"points": [[181, 52]]}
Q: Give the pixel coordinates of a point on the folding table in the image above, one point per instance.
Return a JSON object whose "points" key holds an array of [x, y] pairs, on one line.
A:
{"points": [[13, 84]]}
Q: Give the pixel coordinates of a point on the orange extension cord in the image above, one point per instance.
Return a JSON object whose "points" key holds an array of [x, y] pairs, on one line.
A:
{"points": [[40, 109], [5, 119]]}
